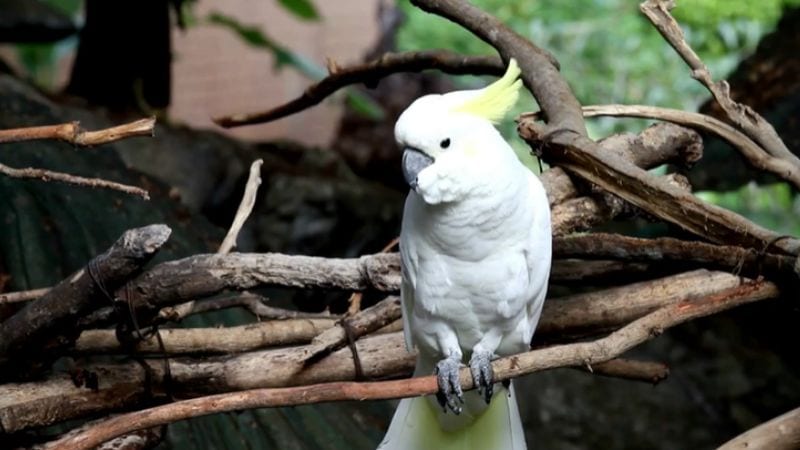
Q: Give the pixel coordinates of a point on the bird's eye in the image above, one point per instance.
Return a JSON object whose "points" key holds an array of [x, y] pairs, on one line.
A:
{"points": [[445, 143]]}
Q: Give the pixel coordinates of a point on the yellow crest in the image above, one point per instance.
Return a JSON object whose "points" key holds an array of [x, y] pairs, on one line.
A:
{"points": [[494, 101]]}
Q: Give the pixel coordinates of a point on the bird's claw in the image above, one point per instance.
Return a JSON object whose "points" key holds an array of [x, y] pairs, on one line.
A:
{"points": [[482, 375], [449, 385]]}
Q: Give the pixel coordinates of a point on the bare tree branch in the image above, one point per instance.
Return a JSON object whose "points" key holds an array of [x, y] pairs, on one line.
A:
{"points": [[630, 369], [73, 134], [505, 368], [754, 154], [780, 433], [539, 68], [370, 73], [48, 175], [749, 121], [236, 339], [22, 296], [245, 207], [25, 405], [51, 317]]}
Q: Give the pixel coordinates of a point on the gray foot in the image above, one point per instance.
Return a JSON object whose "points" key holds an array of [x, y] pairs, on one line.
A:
{"points": [[449, 385], [481, 367]]}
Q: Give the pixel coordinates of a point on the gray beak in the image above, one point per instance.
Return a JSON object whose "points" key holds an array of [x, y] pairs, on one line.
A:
{"points": [[413, 163]]}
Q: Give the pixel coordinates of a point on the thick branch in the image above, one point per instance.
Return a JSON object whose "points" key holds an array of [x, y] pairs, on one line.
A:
{"points": [[73, 134], [203, 275], [370, 73], [754, 154], [662, 143], [54, 314], [618, 176], [607, 246], [780, 433], [506, 368], [539, 70], [631, 369], [25, 405]]}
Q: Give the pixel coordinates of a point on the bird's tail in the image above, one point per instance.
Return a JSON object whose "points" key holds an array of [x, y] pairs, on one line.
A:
{"points": [[418, 425]]}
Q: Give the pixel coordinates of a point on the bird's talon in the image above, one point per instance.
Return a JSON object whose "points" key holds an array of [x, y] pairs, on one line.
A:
{"points": [[482, 376], [449, 385]]}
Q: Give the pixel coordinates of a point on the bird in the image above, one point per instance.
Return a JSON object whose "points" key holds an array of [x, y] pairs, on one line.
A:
{"points": [[476, 250]]}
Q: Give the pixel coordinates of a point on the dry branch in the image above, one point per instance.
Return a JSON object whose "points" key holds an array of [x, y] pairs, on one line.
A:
{"points": [[614, 246], [780, 433], [48, 175], [73, 134], [245, 207], [618, 176], [630, 369], [25, 405], [236, 339], [752, 152], [22, 296], [203, 275], [539, 68], [370, 73], [749, 121], [52, 317], [506, 368]]}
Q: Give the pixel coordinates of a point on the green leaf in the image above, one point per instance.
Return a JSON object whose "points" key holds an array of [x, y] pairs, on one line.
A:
{"points": [[303, 9]]}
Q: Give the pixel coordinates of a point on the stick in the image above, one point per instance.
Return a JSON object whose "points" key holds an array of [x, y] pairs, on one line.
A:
{"points": [[47, 175], [505, 368], [73, 134], [370, 73]]}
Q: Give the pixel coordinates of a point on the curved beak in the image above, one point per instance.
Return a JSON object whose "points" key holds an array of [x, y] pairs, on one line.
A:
{"points": [[413, 163]]}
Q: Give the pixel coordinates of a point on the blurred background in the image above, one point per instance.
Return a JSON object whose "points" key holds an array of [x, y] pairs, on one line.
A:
{"points": [[332, 184]]}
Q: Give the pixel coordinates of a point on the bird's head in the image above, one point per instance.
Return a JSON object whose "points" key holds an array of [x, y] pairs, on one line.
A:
{"points": [[449, 141]]}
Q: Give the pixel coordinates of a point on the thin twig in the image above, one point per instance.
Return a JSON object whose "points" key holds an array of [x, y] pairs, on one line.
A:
{"points": [[48, 175], [245, 207], [749, 121], [73, 134], [579, 354], [354, 301], [370, 73], [179, 312]]}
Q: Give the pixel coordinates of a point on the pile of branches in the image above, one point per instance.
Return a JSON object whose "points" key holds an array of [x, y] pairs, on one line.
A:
{"points": [[114, 306]]}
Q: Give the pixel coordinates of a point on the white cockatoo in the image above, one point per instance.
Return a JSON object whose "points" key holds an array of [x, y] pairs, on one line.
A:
{"points": [[476, 252]]}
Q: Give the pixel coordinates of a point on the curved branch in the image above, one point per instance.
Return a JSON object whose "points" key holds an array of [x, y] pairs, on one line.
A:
{"points": [[506, 368], [539, 68], [753, 125], [756, 155], [780, 433], [370, 73]]}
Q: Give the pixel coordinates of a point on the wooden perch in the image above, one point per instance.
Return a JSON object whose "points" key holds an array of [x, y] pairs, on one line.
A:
{"points": [[370, 73], [53, 315], [25, 405], [505, 368]]}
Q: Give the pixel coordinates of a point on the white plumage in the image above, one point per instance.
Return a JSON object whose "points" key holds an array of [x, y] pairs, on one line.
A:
{"points": [[476, 252]]}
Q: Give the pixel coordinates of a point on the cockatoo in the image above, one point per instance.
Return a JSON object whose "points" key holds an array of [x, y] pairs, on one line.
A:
{"points": [[476, 253]]}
